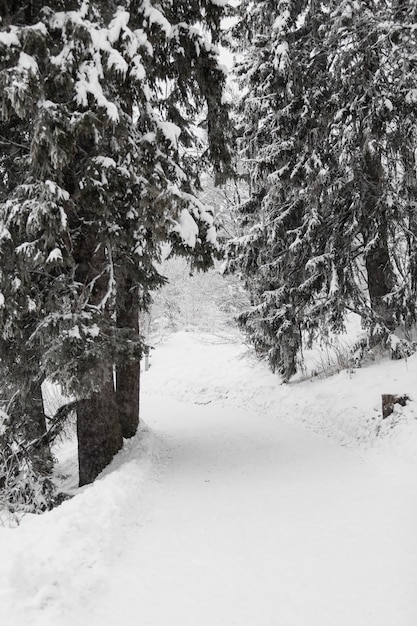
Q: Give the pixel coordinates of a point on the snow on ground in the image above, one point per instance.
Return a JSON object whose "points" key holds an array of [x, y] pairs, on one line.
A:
{"points": [[55, 560], [347, 406], [237, 504]]}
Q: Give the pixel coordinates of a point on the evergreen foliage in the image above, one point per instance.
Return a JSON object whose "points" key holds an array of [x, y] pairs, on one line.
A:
{"points": [[328, 131], [101, 104]]}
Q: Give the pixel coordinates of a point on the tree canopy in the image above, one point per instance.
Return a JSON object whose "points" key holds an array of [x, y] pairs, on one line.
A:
{"points": [[328, 132], [109, 111]]}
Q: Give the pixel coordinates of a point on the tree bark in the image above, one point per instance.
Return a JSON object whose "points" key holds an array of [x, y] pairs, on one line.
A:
{"points": [[127, 380], [128, 374], [29, 412], [377, 260], [98, 432], [378, 267], [28, 423], [35, 427]]}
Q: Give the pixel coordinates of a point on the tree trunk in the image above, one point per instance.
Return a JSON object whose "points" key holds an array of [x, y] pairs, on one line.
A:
{"points": [[28, 414], [98, 432], [377, 260], [378, 267], [127, 381], [128, 374], [42, 458], [98, 429]]}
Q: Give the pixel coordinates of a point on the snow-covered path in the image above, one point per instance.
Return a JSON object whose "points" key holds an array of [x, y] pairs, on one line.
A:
{"points": [[260, 522], [232, 512]]}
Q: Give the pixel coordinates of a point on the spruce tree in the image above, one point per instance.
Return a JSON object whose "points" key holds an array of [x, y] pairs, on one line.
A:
{"points": [[100, 111], [328, 128]]}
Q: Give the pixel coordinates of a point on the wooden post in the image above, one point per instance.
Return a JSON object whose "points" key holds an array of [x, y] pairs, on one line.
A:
{"points": [[388, 401]]}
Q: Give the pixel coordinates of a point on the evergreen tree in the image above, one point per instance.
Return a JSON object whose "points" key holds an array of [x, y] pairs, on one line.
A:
{"points": [[328, 130], [100, 107]]}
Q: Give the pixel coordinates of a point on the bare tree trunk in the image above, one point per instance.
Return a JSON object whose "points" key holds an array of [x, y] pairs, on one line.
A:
{"points": [[377, 260], [98, 432], [128, 374], [127, 380], [42, 456], [378, 267]]}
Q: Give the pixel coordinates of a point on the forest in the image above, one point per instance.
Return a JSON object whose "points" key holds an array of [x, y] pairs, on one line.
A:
{"points": [[125, 139]]}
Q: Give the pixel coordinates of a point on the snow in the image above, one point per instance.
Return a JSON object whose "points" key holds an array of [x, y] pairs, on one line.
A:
{"points": [[31, 304], [149, 137], [39, 28], [170, 130], [38, 558], [155, 16], [118, 24], [388, 104], [187, 228], [211, 236], [16, 282], [282, 21], [93, 330], [243, 501], [58, 19], [73, 332], [143, 42], [102, 38], [54, 256], [24, 248], [9, 38], [27, 62], [65, 57], [137, 71], [88, 82], [3, 419], [411, 97], [56, 190], [4, 233], [106, 162]]}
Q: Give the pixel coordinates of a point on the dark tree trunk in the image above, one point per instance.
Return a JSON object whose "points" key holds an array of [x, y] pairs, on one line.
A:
{"points": [[128, 374], [127, 380], [378, 267], [98, 432], [98, 429], [378, 263], [35, 430]]}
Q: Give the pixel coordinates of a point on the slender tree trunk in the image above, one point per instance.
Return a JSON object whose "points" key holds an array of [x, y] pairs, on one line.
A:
{"points": [[128, 374], [98, 432], [377, 261], [35, 427], [378, 267]]}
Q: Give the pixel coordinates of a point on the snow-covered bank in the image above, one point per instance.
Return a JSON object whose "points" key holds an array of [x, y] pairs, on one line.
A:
{"points": [[55, 561], [346, 406]]}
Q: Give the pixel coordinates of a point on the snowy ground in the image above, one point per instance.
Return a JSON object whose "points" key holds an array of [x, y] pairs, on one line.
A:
{"points": [[243, 501]]}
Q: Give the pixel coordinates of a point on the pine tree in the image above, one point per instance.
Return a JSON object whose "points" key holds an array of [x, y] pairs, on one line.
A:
{"points": [[328, 128], [100, 108]]}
